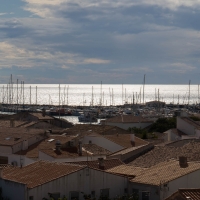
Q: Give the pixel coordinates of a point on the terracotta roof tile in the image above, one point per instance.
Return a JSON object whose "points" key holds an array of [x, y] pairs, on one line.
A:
{"points": [[49, 143], [124, 140], [39, 172], [11, 136], [162, 173], [7, 123], [127, 150], [95, 149], [188, 148], [127, 170], [79, 128], [41, 117], [108, 163], [185, 194]]}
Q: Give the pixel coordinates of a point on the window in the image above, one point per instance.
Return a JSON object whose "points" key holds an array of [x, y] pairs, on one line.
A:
{"points": [[93, 194], [145, 195], [74, 195], [104, 193]]}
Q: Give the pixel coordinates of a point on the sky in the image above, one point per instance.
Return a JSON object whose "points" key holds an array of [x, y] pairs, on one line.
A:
{"points": [[113, 41]]}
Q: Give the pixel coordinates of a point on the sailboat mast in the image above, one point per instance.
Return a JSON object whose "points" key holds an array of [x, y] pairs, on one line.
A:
{"points": [[59, 102], [189, 94], [30, 94], [92, 96], [23, 93], [143, 88], [36, 95], [3, 95], [17, 94], [101, 95], [198, 94], [122, 93]]}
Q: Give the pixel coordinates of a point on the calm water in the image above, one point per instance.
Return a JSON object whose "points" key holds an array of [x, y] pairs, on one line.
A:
{"points": [[86, 94]]}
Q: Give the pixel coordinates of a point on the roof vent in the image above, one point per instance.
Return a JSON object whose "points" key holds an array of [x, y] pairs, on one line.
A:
{"points": [[14, 163], [43, 112], [58, 145], [80, 148], [12, 123], [183, 162], [101, 163]]}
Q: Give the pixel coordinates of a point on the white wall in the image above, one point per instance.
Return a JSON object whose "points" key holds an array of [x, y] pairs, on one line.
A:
{"points": [[12, 190], [6, 149], [34, 139], [85, 180], [18, 159], [102, 142], [170, 136], [197, 133], [125, 126], [185, 127], [191, 180], [161, 192], [17, 147]]}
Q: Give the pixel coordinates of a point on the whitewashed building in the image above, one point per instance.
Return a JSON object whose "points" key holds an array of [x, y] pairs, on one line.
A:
{"points": [[162, 180], [42, 179], [127, 121]]}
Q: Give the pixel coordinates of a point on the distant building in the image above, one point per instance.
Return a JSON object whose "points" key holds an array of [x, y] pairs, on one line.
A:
{"points": [[160, 181], [128, 121], [155, 104], [44, 179]]}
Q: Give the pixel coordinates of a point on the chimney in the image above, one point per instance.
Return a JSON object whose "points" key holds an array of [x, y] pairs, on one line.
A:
{"points": [[58, 145], [133, 139], [183, 161], [80, 148], [101, 163], [1, 172], [12, 123], [43, 112]]}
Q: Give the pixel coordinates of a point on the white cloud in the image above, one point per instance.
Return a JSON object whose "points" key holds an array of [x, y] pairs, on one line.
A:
{"points": [[11, 55], [179, 68], [47, 8], [96, 61]]}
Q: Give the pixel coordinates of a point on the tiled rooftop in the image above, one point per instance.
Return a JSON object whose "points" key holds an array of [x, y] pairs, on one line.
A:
{"points": [[41, 117], [6, 123], [186, 194], [128, 119], [189, 148], [49, 143], [39, 173], [108, 163], [101, 129], [124, 140], [127, 150], [127, 170], [11, 136], [95, 149], [63, 153], [162, 173]]}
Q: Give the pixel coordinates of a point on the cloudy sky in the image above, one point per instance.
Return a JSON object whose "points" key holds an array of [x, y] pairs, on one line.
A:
{"points": [[113, 41]]}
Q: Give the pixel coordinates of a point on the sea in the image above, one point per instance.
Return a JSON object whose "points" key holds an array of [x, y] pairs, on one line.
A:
{"points": [[97, 94]]}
